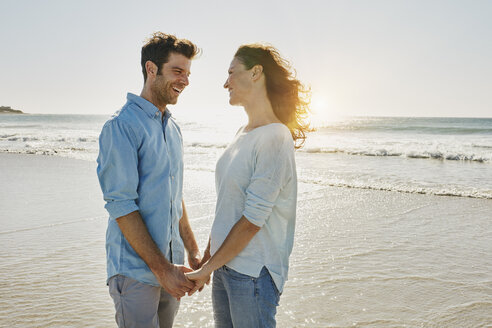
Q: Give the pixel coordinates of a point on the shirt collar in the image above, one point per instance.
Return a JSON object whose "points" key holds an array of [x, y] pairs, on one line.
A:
{"points": [[149, 108]]}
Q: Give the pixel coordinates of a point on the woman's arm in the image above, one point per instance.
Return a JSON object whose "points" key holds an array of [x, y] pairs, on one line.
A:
{"points": [[237, 239]]}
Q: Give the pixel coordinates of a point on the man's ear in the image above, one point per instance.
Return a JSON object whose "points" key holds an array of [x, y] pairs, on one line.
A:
{"points": [[257, 71], [151, 68]]}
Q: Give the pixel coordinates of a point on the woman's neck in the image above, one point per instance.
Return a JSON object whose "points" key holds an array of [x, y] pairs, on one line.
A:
{"points": [[260, 112]]}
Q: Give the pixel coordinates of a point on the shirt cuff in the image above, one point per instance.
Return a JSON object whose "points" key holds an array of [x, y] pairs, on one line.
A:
{"points": [[120, 208], [257, 210]]}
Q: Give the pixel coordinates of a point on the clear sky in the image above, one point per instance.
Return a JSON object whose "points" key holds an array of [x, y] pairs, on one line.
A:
{"points": [[379, 57]]}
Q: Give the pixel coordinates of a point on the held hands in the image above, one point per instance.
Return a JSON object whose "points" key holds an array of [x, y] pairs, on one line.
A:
{"points": [[197, 263], [174, 281], [200, 277]]}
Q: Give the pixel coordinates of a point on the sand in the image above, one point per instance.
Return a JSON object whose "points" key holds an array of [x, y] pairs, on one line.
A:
{"points": [[361, 257]]}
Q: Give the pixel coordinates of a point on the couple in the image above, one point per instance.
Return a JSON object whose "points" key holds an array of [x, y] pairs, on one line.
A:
{"points": [[140, 170]]}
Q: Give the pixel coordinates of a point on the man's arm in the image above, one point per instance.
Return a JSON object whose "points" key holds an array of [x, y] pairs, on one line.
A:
{"points": [[170, 277], [237, 239], [189, 241]]}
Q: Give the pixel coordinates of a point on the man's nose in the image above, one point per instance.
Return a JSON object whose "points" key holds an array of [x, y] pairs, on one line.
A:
{"points": [[226, 84]]}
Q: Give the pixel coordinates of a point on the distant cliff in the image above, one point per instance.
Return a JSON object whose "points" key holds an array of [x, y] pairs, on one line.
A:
{"points": [[8, 110]]}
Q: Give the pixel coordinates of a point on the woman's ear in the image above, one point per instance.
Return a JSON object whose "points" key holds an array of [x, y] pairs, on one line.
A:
{"points": [[257, 71]]}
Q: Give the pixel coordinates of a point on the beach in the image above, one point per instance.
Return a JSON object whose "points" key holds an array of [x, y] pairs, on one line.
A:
{"points": [[389, 107], [361, 258]]}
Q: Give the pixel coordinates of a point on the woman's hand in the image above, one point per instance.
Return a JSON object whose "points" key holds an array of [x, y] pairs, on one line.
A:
{"points": [[200, 277]]}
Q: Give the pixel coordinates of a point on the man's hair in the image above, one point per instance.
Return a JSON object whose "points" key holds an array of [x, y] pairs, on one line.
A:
{"points": [[158, 47], [289, 98]]}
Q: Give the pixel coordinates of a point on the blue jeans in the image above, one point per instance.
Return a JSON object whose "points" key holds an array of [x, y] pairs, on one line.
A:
{"points": [[240, 300]]}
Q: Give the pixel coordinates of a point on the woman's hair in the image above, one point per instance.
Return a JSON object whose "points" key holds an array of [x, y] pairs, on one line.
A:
{"points": [[289, 98]]}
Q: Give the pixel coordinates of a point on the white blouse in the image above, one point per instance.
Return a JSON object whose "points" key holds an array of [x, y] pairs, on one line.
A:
{"points": [[256, 177]]}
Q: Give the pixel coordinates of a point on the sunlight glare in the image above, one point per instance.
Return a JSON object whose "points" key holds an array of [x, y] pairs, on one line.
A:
{"points": [[321, 111]]}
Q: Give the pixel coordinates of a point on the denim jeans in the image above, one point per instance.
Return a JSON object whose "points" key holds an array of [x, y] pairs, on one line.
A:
{"points": [[240, 300]]}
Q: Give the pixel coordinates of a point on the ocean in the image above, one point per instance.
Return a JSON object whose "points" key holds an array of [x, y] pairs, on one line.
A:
{"points": [[439, 156], [393, 222]]}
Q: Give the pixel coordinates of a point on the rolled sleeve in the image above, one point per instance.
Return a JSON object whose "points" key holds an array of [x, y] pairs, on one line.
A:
{"points": [[272, 170], [257, 209], [118, 209], [117, 168]]}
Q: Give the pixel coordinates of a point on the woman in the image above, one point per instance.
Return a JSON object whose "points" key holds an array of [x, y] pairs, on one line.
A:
{"points": [[253, 232]]}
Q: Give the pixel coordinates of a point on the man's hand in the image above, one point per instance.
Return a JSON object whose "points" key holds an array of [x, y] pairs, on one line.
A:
{"points": [[171, 277], [195, 260], [206, 256], [174, 281]]}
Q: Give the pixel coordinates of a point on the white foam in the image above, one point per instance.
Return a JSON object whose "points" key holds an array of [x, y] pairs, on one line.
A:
{"points": [[412, 189]]}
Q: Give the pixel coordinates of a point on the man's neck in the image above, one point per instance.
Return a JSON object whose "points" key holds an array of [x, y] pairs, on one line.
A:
{"points": [[147, 95]]}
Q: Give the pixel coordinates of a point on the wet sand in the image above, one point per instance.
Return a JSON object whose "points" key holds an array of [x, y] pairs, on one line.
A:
{"points": [[361, 258]]}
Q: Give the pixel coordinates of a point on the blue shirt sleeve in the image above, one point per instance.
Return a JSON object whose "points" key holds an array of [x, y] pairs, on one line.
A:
{"points": [[274, 166], [117, 168]]}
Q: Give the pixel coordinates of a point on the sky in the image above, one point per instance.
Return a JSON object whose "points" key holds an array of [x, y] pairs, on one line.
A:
{"points": [[369, 58]]}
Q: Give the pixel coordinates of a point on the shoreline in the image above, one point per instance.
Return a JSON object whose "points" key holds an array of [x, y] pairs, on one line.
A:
{"points": [[319, 183], [361, 257]]}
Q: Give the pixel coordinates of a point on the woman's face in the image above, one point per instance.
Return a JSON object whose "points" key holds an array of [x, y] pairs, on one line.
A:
{"points": [[239, 82]]}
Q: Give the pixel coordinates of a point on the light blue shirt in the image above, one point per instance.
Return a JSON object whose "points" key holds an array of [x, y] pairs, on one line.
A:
{"points": [[256, 178], [140, 168]]}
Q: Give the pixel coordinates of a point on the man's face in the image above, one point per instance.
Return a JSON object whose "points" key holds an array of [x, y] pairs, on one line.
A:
{"points": [[171, 80]]}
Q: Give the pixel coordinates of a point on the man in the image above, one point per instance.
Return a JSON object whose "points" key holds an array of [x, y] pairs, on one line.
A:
{"points": [[140, 170]]}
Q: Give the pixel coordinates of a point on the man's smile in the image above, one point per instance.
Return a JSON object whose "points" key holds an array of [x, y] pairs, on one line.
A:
{"points": [[178, 90]]}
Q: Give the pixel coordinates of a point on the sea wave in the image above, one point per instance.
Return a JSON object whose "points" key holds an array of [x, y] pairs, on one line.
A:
{"points": [[412, 125], [206, 145], [51, 225], [482, 146], [18, 126], [69, 152], [5, 136], [437, 191], [423, 154], [207, 165], [53, 146], [22, 139], [407, 129]]}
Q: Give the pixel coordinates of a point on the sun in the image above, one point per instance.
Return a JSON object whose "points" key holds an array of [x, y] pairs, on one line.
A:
{"points": [[321, 110], [318, 104]]}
